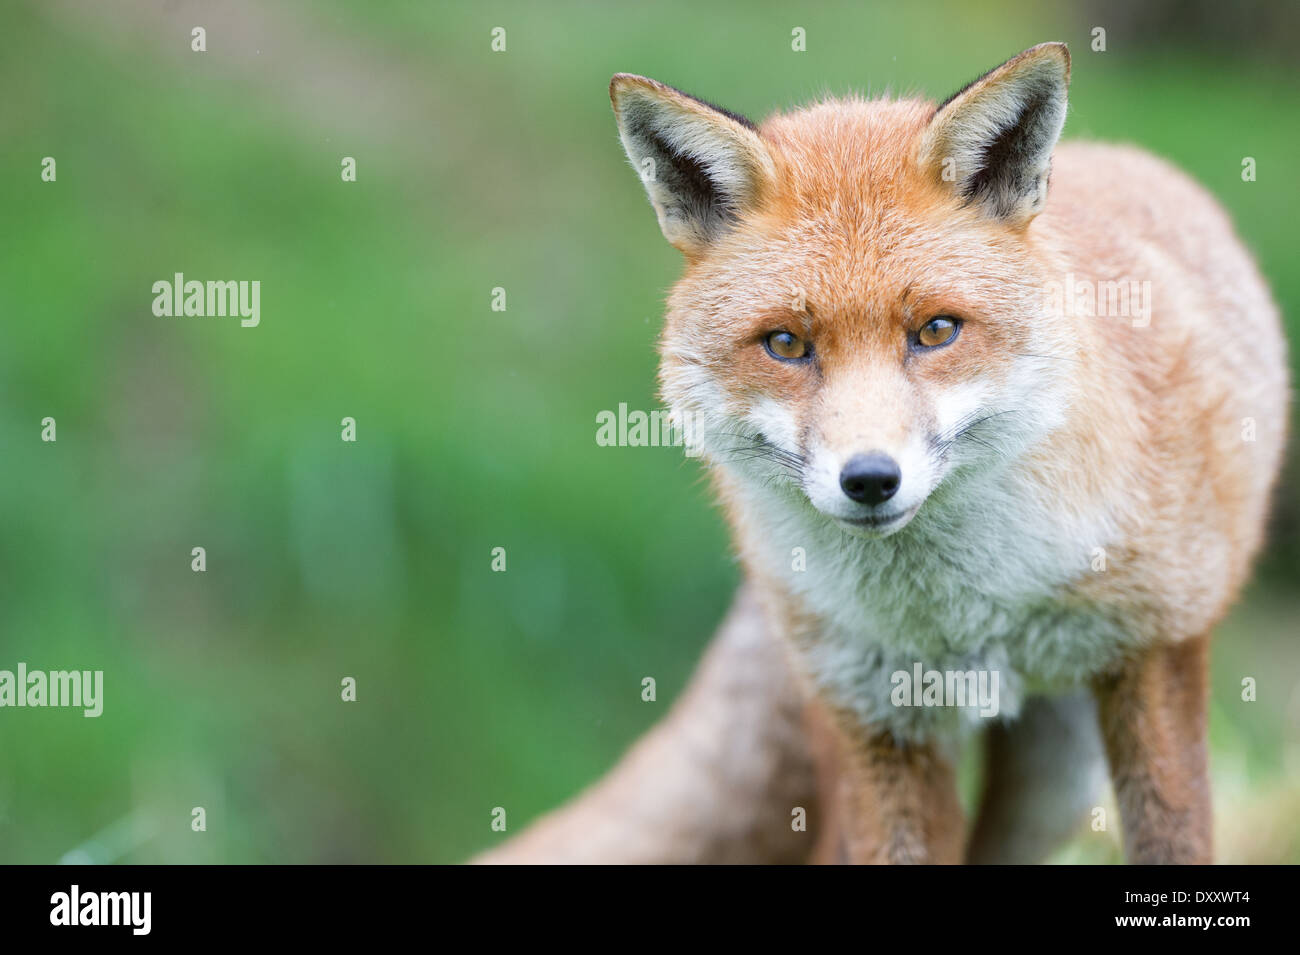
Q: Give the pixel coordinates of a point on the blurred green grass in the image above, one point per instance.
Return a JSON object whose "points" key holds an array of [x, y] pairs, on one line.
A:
{"points": [[476, 170]]}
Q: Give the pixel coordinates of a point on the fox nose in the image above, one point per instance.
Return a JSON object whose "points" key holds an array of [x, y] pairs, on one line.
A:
{"points": [[870, 478]]}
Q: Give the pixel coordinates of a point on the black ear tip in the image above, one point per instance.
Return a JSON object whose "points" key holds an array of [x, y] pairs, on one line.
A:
{"points": [[621, 82], [1064, 52], [1057, 48]]}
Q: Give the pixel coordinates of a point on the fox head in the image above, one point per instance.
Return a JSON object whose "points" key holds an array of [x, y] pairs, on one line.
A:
{"points": [[861, 318]]}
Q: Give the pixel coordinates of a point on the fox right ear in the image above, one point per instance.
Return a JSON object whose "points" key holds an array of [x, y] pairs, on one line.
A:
{"points": [[701, 166], [992, 141]]}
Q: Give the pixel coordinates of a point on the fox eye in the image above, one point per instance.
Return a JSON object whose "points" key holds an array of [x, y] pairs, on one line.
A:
{"points": [[939, 330], [786, 346]]}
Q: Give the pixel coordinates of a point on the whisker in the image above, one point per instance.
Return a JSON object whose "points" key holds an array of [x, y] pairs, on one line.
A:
{"points": [[964, 429], [760, 448], [1025, 354]]}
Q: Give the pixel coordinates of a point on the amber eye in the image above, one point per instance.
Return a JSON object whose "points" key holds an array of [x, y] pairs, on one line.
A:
{"points": [[785, 346], [938, 331]]}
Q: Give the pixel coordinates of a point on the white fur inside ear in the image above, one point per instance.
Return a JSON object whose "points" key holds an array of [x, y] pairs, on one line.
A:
{"points": [[700, 167], [993, 142]]}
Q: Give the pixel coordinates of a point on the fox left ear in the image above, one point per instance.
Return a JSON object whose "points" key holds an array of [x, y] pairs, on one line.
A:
{"points": [[991, 142]]}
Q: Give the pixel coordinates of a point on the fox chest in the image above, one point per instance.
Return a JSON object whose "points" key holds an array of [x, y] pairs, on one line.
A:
{"points": [[992, 606]]}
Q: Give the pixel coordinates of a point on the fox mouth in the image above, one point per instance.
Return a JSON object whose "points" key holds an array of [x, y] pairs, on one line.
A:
{"points": [[880, 524]]}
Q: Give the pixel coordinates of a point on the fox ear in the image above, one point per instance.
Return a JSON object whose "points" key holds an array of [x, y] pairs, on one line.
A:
{"points": [[701, 166], [991, 142]]}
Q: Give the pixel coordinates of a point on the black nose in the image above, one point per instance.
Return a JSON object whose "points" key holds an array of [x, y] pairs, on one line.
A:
{"points": [[870, 478]]}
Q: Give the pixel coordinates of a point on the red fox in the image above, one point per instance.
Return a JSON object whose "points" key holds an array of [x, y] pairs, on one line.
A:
{"points": [[974, 405]]}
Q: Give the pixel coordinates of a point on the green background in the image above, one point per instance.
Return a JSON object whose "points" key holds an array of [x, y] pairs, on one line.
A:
{"points": [[476, 428]]}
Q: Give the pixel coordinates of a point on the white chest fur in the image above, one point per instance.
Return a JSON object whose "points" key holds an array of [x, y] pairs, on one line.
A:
{"points": [[981, 583]]}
